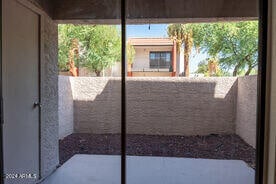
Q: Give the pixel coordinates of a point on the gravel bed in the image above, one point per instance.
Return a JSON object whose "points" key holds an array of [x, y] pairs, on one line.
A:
{"points": [[210, 146]]}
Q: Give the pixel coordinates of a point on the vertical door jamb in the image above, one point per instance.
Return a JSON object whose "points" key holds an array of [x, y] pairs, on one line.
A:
{"points": [[123, 91], [1, 104], [263, 84]]}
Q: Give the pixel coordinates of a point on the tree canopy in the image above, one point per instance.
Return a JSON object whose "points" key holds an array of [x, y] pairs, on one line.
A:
{"points": [[235, 44], [182, 34], [210, 68], [99, 46], [130, 53]]}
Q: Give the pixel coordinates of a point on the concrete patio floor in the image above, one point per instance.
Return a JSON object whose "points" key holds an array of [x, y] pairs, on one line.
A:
{"points": [[105, 169]]}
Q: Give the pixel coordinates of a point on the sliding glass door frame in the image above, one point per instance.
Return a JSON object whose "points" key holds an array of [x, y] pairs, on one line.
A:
{"points": [[263, 83], [262, 87]]}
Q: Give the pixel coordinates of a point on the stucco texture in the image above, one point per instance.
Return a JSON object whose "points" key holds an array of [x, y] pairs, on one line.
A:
{"points": [[164, 106], [65, 107], [181, 106], [97, 104], [247, 109], [49, 97]]}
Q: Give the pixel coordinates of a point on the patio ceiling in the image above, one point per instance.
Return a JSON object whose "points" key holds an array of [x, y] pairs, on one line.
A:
{"points": [[150, 11]]}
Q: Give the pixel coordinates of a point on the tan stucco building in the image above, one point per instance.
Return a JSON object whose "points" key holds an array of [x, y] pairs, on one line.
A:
{"points": [[155, 57]]}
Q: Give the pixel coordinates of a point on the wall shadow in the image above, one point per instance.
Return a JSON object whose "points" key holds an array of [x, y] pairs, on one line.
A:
{"points": [[158, 107]]}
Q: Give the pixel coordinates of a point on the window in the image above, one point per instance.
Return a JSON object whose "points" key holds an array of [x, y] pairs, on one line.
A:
{"points": [[160, 59]]}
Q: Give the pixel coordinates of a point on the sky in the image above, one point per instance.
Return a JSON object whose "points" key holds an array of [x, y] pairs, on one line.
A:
{"points": [[156, 30], [160, 31]]}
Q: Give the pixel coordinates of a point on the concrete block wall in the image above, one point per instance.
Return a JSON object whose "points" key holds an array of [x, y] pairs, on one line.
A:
{"points": [[97, 104], [65, 108], [247, 109], [181, 106], [166, 106]]}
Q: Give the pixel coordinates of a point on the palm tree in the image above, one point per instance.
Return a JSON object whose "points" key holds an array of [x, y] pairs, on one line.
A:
{"points": [[182, 35], [73, 53]]}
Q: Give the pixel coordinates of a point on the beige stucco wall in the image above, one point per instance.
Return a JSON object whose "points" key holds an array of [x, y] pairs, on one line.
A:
{"points": [[97, 104], [181, 106], [65, 107], [141, 59], [247, 109], [49, 97], [169, 106]]}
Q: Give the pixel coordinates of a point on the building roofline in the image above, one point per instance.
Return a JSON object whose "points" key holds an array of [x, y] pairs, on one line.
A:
{"points": [[150, 41]]}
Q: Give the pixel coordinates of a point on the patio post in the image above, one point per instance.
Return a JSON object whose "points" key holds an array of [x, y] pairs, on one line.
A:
{"points": [[174, 59]]}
